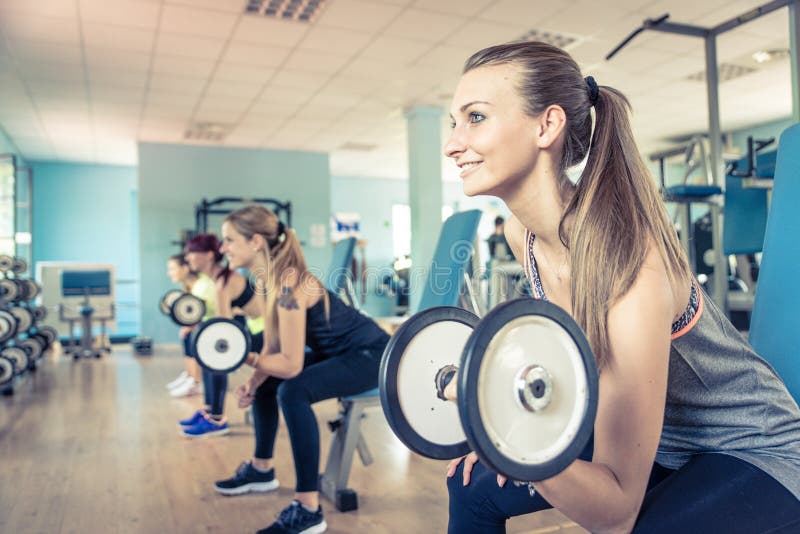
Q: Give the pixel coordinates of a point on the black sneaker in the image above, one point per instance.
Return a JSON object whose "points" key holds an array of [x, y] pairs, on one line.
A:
{"points": [[246, 479], [295, 519]]}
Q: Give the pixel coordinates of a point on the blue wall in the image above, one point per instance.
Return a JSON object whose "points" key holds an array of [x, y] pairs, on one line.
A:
{"points": [[86, 213], [173, 178]]}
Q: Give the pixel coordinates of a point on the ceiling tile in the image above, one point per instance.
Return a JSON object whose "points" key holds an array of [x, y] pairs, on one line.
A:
{"points": [[244, 140], [275, 97], [315, 112], [131, 39], [464, 8], [479, 34], [230, 6], [223, 90], [249, 54], [196, 68], [358, 15], [121, 12], [448, 58], [395, 50], [365, 68], [302, 82], [171, 99], [313, 61], [194, 21], [176, 84], [118, 95], [192, 47], [50, 29], [775, 24], [584, 18], [683, 11], [262, 30], [235, 73], [334, 40], [65, 72], [25, 50], [352, 85], [514, 12], [41, 89], [45, 8], [424, 25], [132, 80], [101, 57]]}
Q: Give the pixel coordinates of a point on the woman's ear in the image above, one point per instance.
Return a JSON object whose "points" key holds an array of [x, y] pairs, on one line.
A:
{"points": [[549, 126], [257, 242]]}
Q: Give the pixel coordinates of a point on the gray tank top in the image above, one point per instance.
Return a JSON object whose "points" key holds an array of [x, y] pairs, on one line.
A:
{"points": [[722, 397]]}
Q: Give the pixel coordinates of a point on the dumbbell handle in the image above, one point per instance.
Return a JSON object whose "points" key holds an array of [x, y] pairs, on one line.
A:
{"points": [[443, 378]]}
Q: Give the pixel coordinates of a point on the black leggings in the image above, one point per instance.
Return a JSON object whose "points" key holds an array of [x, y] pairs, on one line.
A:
{"points": [[214, 386], [320, 379], [711, 493]]}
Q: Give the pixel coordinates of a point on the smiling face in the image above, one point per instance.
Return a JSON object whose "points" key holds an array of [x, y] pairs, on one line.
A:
{"points": [[177, 273], [240, 251], [493, 140], [199, 261]]}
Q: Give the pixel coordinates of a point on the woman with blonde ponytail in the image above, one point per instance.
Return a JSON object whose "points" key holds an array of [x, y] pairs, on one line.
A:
{"points": [[694, 431], [346, 348]]}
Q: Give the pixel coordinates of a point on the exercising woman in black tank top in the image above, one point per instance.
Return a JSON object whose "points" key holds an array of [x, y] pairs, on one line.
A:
{"points": [[346, 352]]}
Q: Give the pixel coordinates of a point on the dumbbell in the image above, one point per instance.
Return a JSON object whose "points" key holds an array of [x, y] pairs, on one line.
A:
{"points": [[8, 326], [221, 345], [526, 388], [33, 346], [24, 318], [19, 357], [6, 372], [49, 333], [6, 263], [19, 265], [183, 308]]}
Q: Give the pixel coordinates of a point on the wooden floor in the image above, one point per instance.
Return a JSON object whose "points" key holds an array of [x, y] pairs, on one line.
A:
{"points": [[92, 446]]}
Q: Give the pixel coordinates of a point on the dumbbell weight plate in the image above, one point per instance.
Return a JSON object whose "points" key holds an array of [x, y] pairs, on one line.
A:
{"points": [[425, 343], [33, 289], [187, 310], [50, 333], [6, 371], [6, 263], [19, 266], [19, 357], [6, 329], [41, 339], [8, 290], [39, 313], [24, 318], [33, 347], [165, 304], [531, 382], [221, 345], [8, 316]]}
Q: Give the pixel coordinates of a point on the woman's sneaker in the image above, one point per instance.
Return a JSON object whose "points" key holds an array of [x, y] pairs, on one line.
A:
{"points": [[178, 381], [207, 427], [296, 519], [188, 388], [247, 479], [193, 419]]}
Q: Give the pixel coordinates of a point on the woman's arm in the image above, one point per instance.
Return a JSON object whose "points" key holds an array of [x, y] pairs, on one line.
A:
{"points": [[287, 361], [605, 495]]}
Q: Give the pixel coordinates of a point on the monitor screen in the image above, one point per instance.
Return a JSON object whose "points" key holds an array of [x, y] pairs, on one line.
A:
{"points": [[79, 283]]}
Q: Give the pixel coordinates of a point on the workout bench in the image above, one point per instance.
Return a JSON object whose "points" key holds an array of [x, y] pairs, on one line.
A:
{"points": [[446, 282]]}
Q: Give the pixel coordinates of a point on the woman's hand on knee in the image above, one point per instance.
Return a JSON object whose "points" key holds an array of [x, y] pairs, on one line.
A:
{"points": [[469, 461]]}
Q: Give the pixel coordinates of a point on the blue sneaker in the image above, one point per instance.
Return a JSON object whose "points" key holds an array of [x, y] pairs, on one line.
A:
{"points": [[295, 519], [192, 419], [246, 479], [206, 428]]}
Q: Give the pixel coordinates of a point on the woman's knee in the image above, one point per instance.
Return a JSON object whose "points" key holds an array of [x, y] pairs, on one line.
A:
{"points": [[293, 392]]}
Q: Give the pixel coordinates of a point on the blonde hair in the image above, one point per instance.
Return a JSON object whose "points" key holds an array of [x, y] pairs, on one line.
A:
{"points": [[283, 257], [615, 194]]}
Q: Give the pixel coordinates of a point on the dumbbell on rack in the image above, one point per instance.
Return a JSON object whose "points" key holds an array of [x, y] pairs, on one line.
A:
{"points": [[23, 340]]}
